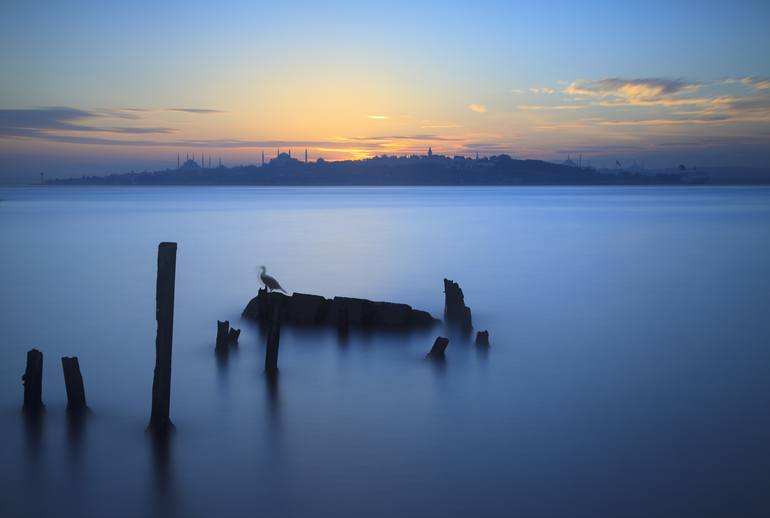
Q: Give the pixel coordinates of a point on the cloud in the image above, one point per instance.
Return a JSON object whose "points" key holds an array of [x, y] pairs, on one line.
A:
{"points": [[197, 111], [542, 90], [478, 108], [551, 107], [403, 137], [378, 117], [40, 122], [631, 90], [440, 125], [758, 83]]}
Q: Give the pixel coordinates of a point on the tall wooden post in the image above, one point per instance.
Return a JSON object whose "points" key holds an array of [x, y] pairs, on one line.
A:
{"points": [[73, 381], [164, 314], [33, 381]]}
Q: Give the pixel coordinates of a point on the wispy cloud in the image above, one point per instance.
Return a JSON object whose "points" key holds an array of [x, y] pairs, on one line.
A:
{"points": [[478, 108], [197, 111], [631, 89], [378, 117], [440, 125], [542, 90], [41, 122], [551, 107]]}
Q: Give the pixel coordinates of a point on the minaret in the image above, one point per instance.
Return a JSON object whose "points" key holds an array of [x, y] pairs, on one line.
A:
{"points": [[220, 162], [278, 152], [289, 152], [477, 155], [430, 152], [263, 158], [177, 160], [306, 155]]}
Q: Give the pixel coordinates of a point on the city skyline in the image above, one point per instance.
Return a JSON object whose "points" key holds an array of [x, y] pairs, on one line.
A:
{"points": [[658, 84]]}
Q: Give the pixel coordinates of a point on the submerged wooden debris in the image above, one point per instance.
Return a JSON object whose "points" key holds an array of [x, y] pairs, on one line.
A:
{"points": [[482, 339], [226, 336], [303, 309], [438, 349]]}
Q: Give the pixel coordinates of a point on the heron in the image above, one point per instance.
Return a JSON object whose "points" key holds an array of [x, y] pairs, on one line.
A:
{"points": [[270, 283]]}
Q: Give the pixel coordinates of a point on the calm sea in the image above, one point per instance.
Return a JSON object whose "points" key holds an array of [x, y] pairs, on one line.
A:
{"points": [[629, 372]]}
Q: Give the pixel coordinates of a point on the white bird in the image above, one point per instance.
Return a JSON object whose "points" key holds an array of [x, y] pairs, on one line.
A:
{"points": [[270, 283]]}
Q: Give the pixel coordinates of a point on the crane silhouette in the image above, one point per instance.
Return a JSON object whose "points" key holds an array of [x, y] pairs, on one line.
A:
{"points": [[270, 283]]}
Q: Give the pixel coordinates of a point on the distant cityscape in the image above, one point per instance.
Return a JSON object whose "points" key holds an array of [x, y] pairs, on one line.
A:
{"points": [[427, 169]]}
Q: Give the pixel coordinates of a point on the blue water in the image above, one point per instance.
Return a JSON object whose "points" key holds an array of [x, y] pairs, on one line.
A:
{"points": [[629, 373]]}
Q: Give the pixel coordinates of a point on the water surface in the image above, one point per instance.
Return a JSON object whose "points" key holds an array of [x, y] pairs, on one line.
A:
{"points": [[628, 373]]}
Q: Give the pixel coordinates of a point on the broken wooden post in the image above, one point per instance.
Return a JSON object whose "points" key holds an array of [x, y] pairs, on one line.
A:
{"points": [[455, 310], [482, 339], [33, 381], [439, 346], [73, 381], [273, 338], [223, 329], [164, 314], [232, 336]]}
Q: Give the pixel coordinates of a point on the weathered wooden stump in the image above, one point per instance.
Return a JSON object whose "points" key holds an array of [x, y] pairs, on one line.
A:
{"points": [[273, 339], [223, 329], [33, 381], [73, 381], [439, 346], [164, 314], [455, 311], [482, 339], [232, 336]]}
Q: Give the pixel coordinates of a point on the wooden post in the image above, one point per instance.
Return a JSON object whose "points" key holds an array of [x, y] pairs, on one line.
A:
{"points": [[482, 339], [222, 332], [455, 311], [164, 314], [439, 346], [73, 381], [33, 381], [273, 337], [232, 336]]}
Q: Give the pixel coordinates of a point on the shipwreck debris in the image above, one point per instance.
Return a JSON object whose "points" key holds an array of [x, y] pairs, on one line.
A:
{"points": [[302, 309]]}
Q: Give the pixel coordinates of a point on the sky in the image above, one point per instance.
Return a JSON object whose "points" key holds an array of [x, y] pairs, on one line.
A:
{"points": [[109, 87]]}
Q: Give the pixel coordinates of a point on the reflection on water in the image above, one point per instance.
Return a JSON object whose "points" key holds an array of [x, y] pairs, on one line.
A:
{"points": [[627, 373]]}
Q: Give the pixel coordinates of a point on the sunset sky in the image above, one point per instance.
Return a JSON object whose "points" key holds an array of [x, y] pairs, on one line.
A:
{"points": [[105, 87]]}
